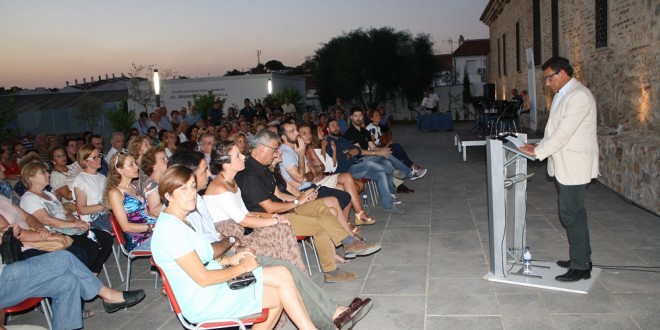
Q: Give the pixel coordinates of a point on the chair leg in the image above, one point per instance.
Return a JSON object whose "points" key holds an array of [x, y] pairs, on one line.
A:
{"points": [[128, 273], [316, 254], [117, 253], [47, 312], [304, 248], [107, 277]]}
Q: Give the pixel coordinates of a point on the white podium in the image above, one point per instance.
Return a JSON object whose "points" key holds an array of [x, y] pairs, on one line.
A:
{"points": [[507, 193]]}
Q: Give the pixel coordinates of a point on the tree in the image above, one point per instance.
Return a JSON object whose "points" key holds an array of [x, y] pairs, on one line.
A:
{"points": [[7, 115], [121, 118], [203, 103], [373, 65], [89, 110], [137, 90], [467, 94], [274, 65], [292, 94], [234, 73]]}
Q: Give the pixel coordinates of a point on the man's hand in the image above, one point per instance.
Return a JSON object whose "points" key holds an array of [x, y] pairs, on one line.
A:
{"points": [[528, 149], [300, 148]]}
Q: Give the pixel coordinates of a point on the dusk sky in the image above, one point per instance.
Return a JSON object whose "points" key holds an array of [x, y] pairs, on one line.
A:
{"points": [[46, 43]]}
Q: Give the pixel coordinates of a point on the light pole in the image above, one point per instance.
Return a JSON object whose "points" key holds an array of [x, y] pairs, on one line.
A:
{"points": [[270, 86], [157, 87]]}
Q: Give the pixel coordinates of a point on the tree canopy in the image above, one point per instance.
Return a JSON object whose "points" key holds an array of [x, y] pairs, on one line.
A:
{"points": [[373, 65]]}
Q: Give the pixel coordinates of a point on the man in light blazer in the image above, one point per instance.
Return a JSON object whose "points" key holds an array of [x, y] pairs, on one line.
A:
{"points": [[571, 146]]}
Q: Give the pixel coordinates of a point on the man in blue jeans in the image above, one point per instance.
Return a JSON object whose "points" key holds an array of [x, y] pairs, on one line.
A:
{"points": [[378, 169], [60, 276]]}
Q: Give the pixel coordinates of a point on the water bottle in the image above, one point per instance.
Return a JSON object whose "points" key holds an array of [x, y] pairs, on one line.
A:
{"points": [[527, 261], [364, 200]]}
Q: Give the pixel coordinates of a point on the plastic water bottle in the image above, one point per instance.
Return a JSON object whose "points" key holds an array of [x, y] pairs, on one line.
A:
{"points": [[527, 261], [364, 200]]}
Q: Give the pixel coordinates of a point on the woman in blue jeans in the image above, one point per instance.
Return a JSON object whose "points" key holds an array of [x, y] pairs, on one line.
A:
{"points": [[63, 278]]}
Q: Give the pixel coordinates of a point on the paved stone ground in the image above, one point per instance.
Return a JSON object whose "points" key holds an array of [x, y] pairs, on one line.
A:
{"points": [[429, 274]]}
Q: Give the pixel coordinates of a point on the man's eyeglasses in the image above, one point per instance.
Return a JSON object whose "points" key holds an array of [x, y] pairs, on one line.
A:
{"points": [[550, 76], [272, 148]]}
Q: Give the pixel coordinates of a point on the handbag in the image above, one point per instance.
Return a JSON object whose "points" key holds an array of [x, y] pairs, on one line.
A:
{"points": [[52, 245], [241, 281], [10, 250]]}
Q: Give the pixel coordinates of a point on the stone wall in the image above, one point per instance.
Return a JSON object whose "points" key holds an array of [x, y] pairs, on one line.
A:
{"points": [[629, 165], [623, 77]]}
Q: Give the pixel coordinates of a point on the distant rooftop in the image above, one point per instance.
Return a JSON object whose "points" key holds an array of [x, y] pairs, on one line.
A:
{"points": [[473, 47], [444, 62]]}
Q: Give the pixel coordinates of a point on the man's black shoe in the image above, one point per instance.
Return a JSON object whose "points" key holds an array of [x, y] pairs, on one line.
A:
{"points": [[574, 275], [567, 263], [403, 189]]}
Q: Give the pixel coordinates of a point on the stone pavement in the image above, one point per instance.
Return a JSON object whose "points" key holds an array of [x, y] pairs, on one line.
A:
{"points": [[429, 274]]}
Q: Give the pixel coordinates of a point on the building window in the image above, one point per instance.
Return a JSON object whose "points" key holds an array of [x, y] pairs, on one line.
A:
{"points": [[536, 6], [499, 58], [555, 28], [601, 23], [504, 53], [518, 46]]}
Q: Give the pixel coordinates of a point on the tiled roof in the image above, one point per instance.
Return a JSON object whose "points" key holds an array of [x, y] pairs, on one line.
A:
{"points": [[473, 47], [444, 62]]}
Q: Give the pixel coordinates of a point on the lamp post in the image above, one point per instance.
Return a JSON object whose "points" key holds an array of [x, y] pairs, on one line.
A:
{"points": [[157, 87], [270, 86]]}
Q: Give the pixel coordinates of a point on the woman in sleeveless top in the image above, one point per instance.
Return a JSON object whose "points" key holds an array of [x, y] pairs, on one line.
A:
{"points": [[268, 234], [127, 203]]}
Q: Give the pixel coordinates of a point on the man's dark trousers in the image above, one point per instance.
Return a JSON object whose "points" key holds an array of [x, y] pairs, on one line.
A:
{"points": [[573, 216]]}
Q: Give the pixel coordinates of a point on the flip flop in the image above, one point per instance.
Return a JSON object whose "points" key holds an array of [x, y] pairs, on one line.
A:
{"points": [[360, 222]]}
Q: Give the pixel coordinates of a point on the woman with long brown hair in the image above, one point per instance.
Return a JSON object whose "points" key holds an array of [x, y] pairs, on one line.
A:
{"points": [[127, 202]]}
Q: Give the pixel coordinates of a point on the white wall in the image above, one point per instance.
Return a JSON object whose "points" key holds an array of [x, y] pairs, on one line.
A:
{"points": [[176, 93]]}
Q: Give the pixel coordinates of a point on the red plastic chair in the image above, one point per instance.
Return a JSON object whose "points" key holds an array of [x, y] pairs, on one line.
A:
{"points": [[119, 235], [210, 324], [115, 252], [29, 304]]}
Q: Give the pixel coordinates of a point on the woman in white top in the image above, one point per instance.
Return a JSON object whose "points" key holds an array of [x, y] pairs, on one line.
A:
{"points": [[88, 189], [268, 234], [59, 177], [49, 211]]}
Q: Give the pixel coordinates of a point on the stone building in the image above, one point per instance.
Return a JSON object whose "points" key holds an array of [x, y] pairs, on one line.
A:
{"points": [[614, 47]]}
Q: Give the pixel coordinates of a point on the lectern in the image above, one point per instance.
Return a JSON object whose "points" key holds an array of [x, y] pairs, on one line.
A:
{"points": [[507, 193]]}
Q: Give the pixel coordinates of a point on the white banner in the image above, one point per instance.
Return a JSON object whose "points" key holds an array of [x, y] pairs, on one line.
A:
{"points": [[531, 88]]}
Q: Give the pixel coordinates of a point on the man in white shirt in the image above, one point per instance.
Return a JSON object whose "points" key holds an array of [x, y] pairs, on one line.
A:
{"points": [[288, 107], [117, 143]]}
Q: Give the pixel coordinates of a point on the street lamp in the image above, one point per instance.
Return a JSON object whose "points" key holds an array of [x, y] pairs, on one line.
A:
{"points": [[157, 87], [270, 86]]}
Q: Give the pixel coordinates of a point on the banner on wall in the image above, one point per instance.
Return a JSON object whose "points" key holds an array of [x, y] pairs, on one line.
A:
{"points": [[531, 90]]}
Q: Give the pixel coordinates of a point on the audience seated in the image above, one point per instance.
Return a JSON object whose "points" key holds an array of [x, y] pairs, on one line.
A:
{"points": [[269, 234], [50, 212], [311, 217], [198, 272], [6, 189]]}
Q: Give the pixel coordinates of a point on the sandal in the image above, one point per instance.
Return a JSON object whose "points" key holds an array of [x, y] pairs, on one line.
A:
{"points": [[355, 230], [360, 222], [87, 313]]}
